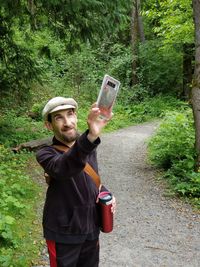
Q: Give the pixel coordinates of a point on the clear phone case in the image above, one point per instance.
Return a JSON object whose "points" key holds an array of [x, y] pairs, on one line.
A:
{"points": [[107, 95]]}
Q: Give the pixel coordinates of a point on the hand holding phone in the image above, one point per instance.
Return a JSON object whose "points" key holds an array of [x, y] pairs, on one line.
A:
{"points": [[107, 95]]}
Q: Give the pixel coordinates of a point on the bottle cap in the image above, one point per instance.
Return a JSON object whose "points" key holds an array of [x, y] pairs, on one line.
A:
{"points": [[105, 198]]}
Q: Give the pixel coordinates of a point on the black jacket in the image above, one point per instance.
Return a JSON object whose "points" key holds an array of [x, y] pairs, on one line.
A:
{"points": [[70, 212]]}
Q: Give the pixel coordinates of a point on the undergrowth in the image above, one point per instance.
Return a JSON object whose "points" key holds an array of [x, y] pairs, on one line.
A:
{"points": [[19, 195], [172, 149], [17, 129]]}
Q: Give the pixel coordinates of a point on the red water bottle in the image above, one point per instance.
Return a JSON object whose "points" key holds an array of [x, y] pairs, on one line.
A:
{"points": [[105, 202]]}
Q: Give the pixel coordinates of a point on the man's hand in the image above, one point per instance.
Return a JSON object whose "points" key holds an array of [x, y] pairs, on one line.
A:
{"points": [[47, 178], [96, 123], [114, 205]]}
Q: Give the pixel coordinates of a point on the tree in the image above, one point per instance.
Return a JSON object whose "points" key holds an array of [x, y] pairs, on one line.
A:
{"points": [[17, 67], [196, 79], [188, 57], [137, 33], [77, 20], [72, 21], [172, 22]]}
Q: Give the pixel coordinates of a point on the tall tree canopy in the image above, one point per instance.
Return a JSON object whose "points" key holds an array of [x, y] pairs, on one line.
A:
{"points": [[73, 21], [170, 20]]}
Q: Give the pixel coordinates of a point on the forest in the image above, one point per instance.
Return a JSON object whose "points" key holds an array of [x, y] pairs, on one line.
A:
{"points": [[64, 48]]}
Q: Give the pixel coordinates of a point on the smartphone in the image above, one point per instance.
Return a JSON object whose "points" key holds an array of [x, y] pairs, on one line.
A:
{"points": [[107, 95]]}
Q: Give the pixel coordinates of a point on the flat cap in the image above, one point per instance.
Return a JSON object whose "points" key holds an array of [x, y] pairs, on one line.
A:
{"points": [[58, 103]]}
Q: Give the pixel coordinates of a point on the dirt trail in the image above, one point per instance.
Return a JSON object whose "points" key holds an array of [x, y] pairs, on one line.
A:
{"points": [[150, 229]]}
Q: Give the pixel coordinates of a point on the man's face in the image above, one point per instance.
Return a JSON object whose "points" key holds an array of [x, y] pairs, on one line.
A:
{"points": [[64, 125]]}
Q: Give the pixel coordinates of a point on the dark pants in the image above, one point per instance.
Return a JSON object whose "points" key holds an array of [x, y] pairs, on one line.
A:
{"points": [[74, 255]]}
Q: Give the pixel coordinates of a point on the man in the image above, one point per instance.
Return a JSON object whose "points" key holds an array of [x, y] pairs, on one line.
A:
{"points": [[70, 218]]}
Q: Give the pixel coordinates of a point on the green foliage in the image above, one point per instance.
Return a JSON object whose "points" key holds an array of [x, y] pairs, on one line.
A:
{"points": [[126, 114], [151, 108], [17, 197], [174, 140], [159, 71], [19, 129], [31, 46], [17, 72], [11, 193], [160, 67], [172, 148], [37, 110], [17, 66], [80, 73], [170, 20], [119, 63], [85, 20]]}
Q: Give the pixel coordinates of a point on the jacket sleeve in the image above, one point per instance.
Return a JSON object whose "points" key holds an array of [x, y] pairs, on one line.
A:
{"points": [[65, 165]]}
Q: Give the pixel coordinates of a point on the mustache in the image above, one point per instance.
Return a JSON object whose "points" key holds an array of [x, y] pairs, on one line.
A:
{"points": [[67, 128]]}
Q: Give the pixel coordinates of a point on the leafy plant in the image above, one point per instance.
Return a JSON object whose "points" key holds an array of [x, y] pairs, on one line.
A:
{"points": [[160, 68], [174, 140], [17, 209], [172, 148], [155, 107], [20, 129]]}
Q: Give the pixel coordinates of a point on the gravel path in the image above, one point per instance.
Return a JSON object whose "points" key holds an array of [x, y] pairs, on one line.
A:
{"points": [[150, 229]]}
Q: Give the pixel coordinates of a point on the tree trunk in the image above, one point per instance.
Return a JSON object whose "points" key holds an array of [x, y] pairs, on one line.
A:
{"points": [[137, 34], [32, 12], [188, 57], [134, 42], [140, 22], [196, 81]]}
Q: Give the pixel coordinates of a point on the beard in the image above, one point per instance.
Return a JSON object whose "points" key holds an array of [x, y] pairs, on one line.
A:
{"points": [[68, 138]]}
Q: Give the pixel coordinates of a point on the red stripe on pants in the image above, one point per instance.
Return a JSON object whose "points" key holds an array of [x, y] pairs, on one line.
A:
{"points": [[52, 253]]}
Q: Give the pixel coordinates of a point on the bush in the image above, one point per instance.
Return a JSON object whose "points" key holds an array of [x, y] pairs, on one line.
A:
{"points": [[119, 64], [172, 148], [16, 190], [174, 140], [151, 108], [19, 129], [36, 111], [160, 67], [77, 75]]}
